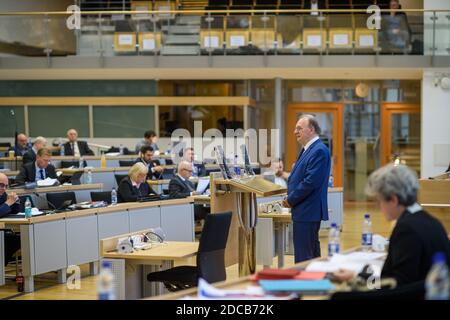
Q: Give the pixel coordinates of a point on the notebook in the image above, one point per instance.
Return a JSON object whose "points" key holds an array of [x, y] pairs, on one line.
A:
{"points": [[299, 286]]}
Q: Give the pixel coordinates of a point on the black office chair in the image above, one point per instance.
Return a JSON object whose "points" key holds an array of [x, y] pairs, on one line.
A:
{"points": [[126, 163], [168, 173], [210, 257], [68, 164], [22, 202], [56, 200], [101, 196], [120, 177]]}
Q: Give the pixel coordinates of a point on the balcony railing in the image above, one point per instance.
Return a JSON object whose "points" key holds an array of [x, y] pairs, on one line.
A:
{"points": [[226, 32]]}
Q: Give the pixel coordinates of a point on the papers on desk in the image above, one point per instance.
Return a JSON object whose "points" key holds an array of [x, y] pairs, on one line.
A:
{"points": [[34, 212], [354, 261], [202, 185], [47, 182]]}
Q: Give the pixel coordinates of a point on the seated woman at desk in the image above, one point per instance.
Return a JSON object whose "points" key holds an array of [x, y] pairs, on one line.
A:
{"points": [[417, 235], [135, 186]]}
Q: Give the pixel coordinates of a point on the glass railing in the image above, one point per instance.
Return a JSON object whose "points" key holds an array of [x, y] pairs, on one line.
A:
{"points": [[208, 33]]}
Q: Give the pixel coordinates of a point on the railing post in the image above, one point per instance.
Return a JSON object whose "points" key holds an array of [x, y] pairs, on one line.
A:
{"points": [[47, 49]]}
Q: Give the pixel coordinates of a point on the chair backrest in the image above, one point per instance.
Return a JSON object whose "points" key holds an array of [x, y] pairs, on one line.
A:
{"points": [[168, 173], [120, 177], [101, 196], [211, 249], [126, 163], [68, 164], [57, 199]]}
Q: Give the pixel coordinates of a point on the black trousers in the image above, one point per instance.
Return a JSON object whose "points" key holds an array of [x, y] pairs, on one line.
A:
{"points": [[200, 211], [12, 244]]}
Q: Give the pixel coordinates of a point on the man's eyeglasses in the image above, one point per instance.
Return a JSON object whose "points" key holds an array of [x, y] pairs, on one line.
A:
{"points": [[3, 186], [189, 170]]}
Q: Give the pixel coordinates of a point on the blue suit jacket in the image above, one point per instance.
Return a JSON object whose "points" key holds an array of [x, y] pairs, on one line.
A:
{"points": [[308, 184]]}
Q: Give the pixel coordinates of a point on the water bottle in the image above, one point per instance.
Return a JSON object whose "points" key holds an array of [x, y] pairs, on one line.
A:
{"points": [[366, 238], [237, 167], [331, 181], [28, 208], [194, 170], [81, 163], [105, 288], [114, 197], [437, 282], [89, 177], [121, 149], [333, 240], [61, 150]]}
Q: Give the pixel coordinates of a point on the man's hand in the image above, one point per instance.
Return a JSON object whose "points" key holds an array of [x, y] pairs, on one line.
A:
{"points": [[343, 275], [195, 193], [11, 199], [158, 169], [286, 203]]}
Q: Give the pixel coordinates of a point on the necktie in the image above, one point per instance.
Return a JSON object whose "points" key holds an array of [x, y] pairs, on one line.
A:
{"points": [[41, 173], [300, 155]]}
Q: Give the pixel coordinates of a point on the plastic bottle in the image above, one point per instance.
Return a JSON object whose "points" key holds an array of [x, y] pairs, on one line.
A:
{"points": [[28, 208], [194, 170], [81, 163], [331, 181], [113, 196], [237, 167], [20, 281], [333, 240], [105, 286], [366, 237], [61, 150], [437, 282], [103, 161], [121, 149], [89, 177]]}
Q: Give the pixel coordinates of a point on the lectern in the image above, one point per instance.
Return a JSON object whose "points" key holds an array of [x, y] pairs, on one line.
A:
{"points": [[238, 195]]}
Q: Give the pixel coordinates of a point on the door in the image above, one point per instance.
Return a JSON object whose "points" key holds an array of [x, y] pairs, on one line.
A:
{"points": [[400, 134], [330, 118]]}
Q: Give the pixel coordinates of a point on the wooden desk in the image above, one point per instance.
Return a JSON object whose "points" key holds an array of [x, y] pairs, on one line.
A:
{"points": [[135, 266], [78, 233]]}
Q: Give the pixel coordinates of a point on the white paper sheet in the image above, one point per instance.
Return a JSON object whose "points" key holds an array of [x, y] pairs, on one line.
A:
{"points": [[341, 39], [237, 41], [46, 183], [314, 40], [202, 185], [125, 39], [366, 41], [148, 44], [34, 212], [211, 42]]}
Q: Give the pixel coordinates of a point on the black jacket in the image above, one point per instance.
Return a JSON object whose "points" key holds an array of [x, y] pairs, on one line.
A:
{"points": [[201, 169], [414, 240], [5, 209], [82, 146], [179, 188], [28, 157], [28, 173], [128, 193], [153, 163]]}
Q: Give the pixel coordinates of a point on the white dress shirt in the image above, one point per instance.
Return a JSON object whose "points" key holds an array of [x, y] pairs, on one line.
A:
{"points": [[38, 173], [414, 208], [310, 142], [315, 6], [76, 151]]}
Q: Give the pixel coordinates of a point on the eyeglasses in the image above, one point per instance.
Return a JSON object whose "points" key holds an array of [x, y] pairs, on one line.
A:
{"points": [[3, 186], [190, 170]]}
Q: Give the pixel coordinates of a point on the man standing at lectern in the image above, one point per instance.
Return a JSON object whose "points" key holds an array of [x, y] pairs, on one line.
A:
{"points": [[307, 189]]}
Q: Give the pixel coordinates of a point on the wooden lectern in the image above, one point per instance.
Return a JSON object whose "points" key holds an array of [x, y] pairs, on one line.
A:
{"points": [[434, 197], [239, 196]]}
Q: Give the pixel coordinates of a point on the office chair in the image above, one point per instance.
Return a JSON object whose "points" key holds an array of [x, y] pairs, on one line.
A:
{"points": [[120, 177], [56, 200], [126, 163], [22, 202], [101, 196], [168, 173], [68, 164], [210, 257]]}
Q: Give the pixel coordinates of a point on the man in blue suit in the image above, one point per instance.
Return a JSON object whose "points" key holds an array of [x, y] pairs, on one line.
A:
{"points": [[307, 189]]}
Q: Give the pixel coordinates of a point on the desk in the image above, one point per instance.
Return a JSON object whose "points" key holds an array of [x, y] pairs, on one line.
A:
{"points": [[2, 257], [38, 195], [56, 241], [134, 267], [106, 176]]}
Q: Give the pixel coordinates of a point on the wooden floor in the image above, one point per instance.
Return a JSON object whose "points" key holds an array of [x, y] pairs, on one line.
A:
{"points": [[47, 287]]}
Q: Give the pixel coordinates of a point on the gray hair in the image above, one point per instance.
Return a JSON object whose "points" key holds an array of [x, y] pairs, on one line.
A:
{"points": [[40, 140], [312, 122], [392, 180]]}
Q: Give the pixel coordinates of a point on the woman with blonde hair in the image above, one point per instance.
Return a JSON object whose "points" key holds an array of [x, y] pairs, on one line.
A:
{"points": [[135, 187]]}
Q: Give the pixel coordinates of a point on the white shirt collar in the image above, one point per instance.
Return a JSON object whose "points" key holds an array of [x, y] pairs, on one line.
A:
{"points": [[310, 142], [414, 208], [182, 179], [135, 184], [315, 6]]}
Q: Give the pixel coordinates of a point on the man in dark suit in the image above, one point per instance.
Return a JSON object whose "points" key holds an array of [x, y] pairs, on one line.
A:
{"points": [[181, 187], [76, 148], [37, 170], [30, 155], [9, 205], [417, 236], [155, 169], [198, 168], [21, 147], [307, 189]]}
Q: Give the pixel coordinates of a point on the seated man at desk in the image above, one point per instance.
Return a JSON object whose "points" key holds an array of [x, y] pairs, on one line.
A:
{"points": [[135, 187], [21, 146], [417, 235], [74, 147], [181, 187], [154, 167], [9, 204], [198, 169], [30, 155], [40, 169], [150, 139]]}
